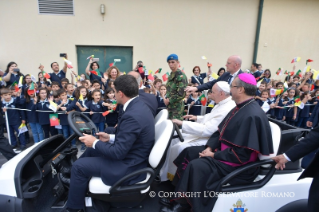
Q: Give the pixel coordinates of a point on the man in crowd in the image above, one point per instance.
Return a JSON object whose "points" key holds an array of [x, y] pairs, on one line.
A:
{"points": [[111, 157], [57, 74], [197, 133], [232, 70], [175, 86], [225, 151]]}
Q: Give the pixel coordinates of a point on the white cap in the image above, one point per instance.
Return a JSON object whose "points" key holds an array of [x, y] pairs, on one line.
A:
{"points": [[224, 86]]}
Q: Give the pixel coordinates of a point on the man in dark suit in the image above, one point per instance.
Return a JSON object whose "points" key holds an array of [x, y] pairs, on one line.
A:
{"points": [[302, 148], [148, 99], [232, 70], [113, 156]]}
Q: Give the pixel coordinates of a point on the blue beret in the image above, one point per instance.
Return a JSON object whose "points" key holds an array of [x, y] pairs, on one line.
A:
{"points": [[172, 57]]}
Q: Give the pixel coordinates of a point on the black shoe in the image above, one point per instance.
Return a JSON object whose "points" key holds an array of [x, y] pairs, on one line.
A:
{"points": [[177, 207], [166, 201]]}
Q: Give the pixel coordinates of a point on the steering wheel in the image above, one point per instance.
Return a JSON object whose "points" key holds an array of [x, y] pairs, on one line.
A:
{"points": [[81, 123]]}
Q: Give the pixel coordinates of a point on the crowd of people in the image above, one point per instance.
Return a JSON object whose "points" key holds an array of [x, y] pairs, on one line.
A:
{"points": [[94, 94]]}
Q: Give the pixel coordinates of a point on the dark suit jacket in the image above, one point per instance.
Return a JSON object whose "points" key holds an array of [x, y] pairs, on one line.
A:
{"points": [[150, 100], [209, 85], [304, 147], [314, 116], [134, 139]]}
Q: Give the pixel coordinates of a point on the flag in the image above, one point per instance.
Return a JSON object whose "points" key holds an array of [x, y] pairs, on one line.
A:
{"points": [[112, 64], [150, 77], [141, 70], [265, 107], [286, 72], [158, 71], [209, 64], [96, 72], [308, 61], [92, 56], [20, 82], [77, 78], [204, 58], [296, 59], [259, 83], [124, 73], [203, 99], [45, 75], [214, 75], [33, 78], [278, 72], [167, 73], [276, 92], [22, 129], [54, 121], [285, 84], [105, 113], [53, 107], [298, 102], [292, 73], [315, 74], [297, 99], [81, 97], [299, 73], [31, 90], [69, 64], [165, 77], [15, 86], [312, 88]]}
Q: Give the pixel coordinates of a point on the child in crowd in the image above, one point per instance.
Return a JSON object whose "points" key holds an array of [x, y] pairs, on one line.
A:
{"points": [[304, 113], [291, 113], [210, 103], [96, 107], [96, 85], [64, 81], [109, 99], [15, 117], [160, 98], [42, 82], [69, 91], [194, 103], [261, 87], [41, 102], [32, 116]]}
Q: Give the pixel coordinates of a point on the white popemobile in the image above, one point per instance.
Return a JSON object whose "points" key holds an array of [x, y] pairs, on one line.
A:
{"points": [[37, 179]]}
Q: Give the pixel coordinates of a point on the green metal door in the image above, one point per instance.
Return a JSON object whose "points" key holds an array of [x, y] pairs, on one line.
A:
{"points": [[106, 54]]}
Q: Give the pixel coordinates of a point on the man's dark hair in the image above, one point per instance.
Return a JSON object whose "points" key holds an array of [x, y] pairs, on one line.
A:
{"points": [[53, 63], [291, 84], [65, 80], [256, 65], [279, 83], [96, 81], [127, 84], [60, 92], [296, 76], [250, 90]]}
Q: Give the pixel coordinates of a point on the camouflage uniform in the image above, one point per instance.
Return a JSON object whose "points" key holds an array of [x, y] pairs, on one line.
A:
{"points": [[177, 82]]}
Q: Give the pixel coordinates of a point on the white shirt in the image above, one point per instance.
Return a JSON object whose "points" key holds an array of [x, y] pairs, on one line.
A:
{"points": [[112, 136], [234, 75], [206, 125]]}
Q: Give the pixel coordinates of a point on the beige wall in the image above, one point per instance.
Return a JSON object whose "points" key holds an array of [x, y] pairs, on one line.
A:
{"points": [[155, 29], [291, 29]]}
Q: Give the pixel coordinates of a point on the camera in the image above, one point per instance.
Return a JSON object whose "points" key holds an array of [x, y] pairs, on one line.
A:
{"points": [[140, 65], [16, 70], [62, 54]]}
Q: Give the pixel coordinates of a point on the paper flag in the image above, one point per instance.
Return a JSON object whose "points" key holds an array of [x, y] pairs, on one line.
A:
{"points": [[15, 85], [53, 107], [165, 77], [204, 58], [265, 107], [81, 97], [308, 61], [275, 92], [291, 73], [315, 74], [20, 82], [209, 64], [54, 121], [112, 64], [299, 73], [279, 71], [96, 72], [158, 71], [141, 70], [33, 79], [45, 75], [285, 84], [22, 129], [296, 59], [203, 99], [31, 89], [69, 64], [150, 77], [92, 56], [214, 75], [259, 83], [105, 113], [286, 72]]}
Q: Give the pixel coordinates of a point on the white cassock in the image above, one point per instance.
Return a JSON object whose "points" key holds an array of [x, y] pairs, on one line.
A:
{"points": [[195, 134]]}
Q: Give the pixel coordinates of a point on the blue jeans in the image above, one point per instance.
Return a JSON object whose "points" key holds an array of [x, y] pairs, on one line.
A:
{"points": [[13, 137], [37, 132], [100, 126], [67, 131]]}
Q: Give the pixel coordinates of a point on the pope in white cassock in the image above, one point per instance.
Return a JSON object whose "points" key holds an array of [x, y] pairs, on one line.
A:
{"points": [[197, 133]]}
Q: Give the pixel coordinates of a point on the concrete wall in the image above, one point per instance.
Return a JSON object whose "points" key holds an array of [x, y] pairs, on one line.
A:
{"points": [[290, 28], [155, 29]]}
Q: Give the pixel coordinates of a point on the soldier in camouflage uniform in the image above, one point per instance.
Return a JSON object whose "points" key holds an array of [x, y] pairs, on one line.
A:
{"points": [[177, 82]]}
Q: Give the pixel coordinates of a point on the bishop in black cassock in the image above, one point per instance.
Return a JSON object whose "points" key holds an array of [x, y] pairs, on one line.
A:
{"points": [[241, 136]]}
